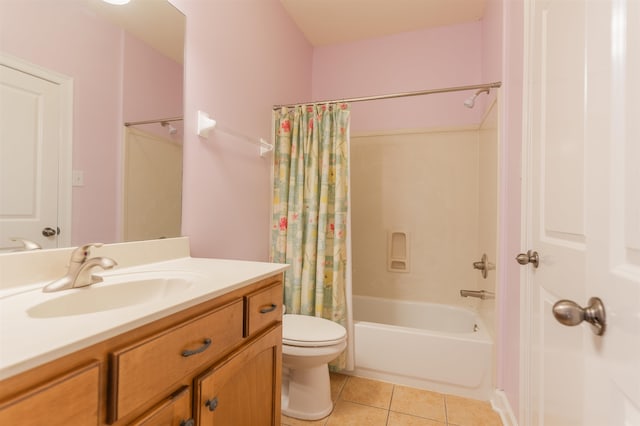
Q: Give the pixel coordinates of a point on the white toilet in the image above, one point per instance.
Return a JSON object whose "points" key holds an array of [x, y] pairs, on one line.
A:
{"points": [[308, 344]]}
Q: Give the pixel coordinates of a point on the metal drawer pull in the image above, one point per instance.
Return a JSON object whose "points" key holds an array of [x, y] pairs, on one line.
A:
{"points": [[212, 403], [268, 309], [205, 345], [189, 422]]}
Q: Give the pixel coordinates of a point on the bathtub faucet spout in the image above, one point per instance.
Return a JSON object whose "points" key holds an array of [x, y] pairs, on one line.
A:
{"points": [[480, 294]]}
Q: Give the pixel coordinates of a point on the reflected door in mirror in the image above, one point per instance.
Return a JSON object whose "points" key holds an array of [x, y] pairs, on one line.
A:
{"points": [[30, 142]]}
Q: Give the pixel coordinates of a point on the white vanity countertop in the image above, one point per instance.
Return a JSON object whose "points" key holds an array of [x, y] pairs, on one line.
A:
{"points": [[27, 340]]}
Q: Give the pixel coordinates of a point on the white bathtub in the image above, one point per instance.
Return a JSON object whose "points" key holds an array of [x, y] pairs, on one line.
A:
{"points": [[426, 345]]}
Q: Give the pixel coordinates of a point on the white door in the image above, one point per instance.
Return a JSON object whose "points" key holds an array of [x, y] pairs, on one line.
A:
{"points": [[33, 146], [582, 211]]}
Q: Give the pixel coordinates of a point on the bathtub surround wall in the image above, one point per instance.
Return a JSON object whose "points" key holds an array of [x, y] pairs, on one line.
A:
{"points": [[427, 184], [440, 186], [487, 182]]}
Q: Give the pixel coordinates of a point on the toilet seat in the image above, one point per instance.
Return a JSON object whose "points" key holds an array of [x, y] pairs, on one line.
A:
{"points": [[308, 331]]}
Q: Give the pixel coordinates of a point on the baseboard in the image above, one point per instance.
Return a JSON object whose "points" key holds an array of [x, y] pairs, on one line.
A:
{"points": [[501, 405]]}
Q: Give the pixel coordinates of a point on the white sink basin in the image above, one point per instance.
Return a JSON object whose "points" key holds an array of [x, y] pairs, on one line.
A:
{"points": [[112, 294]]}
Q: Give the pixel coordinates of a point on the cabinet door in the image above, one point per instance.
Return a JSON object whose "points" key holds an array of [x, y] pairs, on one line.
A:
{"points": [[174, 411], [68, 400], [244, 389]]}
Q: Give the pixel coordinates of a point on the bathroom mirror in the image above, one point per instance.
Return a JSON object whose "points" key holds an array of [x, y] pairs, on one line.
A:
{"points": [[119, 64]]}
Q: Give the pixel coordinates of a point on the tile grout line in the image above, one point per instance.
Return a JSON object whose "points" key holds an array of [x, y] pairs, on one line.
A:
{"points": [[446, 410], [393, 389]]}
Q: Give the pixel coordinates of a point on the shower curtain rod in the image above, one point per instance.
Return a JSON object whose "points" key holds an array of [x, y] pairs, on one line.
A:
{"points": [[400, 95], [159, 120]]}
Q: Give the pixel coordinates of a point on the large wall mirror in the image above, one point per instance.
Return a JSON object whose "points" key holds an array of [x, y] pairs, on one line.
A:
{"points": [[73, 73]]}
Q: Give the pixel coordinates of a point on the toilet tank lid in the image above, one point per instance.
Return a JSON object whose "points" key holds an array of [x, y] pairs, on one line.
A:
{"points": [[304, 328]]}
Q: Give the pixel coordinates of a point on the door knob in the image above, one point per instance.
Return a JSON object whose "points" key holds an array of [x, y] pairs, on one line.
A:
{"points": [[569, 313], [529, 257], [48, 232]]}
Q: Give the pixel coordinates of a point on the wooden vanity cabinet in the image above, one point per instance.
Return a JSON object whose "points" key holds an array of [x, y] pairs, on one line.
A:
{"points": [[227, 349], [72, 398]]}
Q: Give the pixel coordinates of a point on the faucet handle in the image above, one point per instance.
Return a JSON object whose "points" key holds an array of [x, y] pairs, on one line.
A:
{"points": [[81, 254]]}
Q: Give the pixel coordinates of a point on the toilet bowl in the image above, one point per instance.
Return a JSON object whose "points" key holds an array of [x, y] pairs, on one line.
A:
{"points": [[308, 344]]}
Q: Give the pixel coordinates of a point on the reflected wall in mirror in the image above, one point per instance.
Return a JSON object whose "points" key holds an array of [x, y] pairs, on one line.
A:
{"points": [[125, 65]]}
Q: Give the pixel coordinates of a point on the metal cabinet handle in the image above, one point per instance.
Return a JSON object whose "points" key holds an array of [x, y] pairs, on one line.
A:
{"points": [[188, 422], [569, 313], [212, 404], [205, 345], [529, 257], [268, 309]]}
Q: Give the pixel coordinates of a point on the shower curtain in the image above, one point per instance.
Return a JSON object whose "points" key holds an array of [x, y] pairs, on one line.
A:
{"points": [[310, 217]]}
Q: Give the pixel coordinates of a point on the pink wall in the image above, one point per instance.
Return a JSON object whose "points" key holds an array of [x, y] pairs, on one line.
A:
{"points": [[418, 60], [241, 58], [492, 46], [68, 38]]}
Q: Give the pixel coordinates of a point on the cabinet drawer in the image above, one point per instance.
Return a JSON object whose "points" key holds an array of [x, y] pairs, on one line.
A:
{"points": [[174, 411], [263, 307], [70, 399], [148, 368]]}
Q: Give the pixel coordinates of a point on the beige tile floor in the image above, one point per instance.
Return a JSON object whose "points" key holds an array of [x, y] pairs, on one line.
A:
{"points": [[365, 402]]}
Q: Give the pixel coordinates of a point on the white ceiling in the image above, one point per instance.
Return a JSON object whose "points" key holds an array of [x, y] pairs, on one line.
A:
{"points": [[326, 22], [156, 22], [323, 22]]}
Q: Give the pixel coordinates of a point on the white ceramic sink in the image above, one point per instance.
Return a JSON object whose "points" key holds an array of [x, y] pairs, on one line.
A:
{"points": [[113, 293]]}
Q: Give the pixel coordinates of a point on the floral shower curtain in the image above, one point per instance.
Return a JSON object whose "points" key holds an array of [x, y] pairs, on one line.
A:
{"points": [[310, 208]]}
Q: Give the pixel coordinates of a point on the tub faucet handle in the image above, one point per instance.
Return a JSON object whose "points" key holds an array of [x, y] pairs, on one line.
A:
{"points": [[484, 265]]}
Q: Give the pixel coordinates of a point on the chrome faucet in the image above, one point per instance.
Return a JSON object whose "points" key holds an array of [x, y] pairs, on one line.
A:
{"points": [[480, 294], [80, 266], [25, 245]]}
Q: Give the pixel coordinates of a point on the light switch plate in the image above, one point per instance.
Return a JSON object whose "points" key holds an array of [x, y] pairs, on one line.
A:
{"points": [[77, 178]]}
